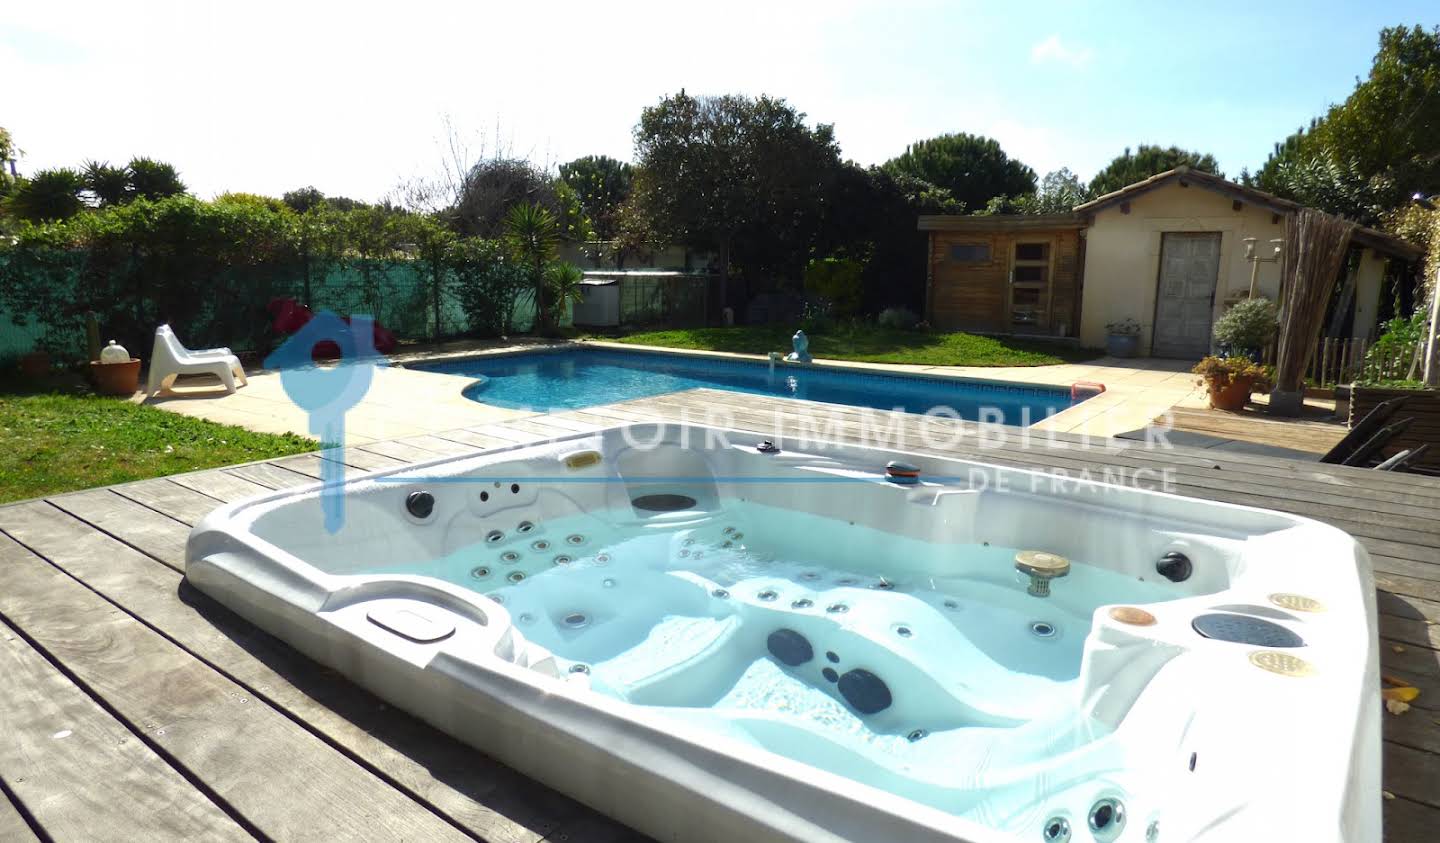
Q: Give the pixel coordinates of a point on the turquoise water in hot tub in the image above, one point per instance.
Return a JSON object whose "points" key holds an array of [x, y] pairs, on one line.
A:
{"points": [[572, 380], [892, 661]]}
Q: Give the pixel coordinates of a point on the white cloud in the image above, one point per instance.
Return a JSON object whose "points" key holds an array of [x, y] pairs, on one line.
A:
{"points": [[1053, 49]]}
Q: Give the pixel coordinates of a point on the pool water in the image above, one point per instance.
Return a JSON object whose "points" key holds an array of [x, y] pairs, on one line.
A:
{"points": [[572, 380], [889, 660]]}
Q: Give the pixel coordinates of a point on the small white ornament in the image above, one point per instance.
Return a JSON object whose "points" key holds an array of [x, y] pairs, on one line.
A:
{"points": [[114, 353]]}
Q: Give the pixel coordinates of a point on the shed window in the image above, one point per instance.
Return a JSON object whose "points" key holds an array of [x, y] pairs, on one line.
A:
{"points": [[1032, 251], [1027, 274], [970, 252]]}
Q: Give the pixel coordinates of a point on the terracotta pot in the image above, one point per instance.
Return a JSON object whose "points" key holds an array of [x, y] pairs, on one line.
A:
{"points": [[1233, 395], [35, 365], [116, 378]]}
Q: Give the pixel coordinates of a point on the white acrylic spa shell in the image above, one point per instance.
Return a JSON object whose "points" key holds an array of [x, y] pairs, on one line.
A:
{"points": [[1229, 741]]}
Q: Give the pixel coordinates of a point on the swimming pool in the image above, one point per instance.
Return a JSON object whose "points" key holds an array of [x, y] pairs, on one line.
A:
{"points": [[577, 378], [710, 640]]}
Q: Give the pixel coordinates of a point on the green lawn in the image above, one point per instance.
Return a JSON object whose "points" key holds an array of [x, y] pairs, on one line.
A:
{"points": [[872, 345], [60, 441]]}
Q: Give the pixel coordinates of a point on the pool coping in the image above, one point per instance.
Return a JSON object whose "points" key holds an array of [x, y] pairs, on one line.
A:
{"points": [[910, 370], [1054, 421]]}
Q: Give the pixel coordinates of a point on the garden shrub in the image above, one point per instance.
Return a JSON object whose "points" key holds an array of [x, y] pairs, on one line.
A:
{"points": [[1249, 325], [210, 269], [898, 319], [487, 285], [1392, 356], [138, 265], [837, 281]]}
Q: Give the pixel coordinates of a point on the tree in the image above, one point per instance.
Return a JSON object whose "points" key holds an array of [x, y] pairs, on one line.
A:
{"points": [[974, 169], [107, 185], [1060, 191], [153, 179], [490, 190], [1148, 161], [303, 199], [47, 195], [345, 203], [494, 186], [602, 184], [1370, 153], [486, 284], [533, 235], [870, 216], [431, 242], [8, 152], [1284, 152], [744, 175], [7, 170], [1391, 122]]}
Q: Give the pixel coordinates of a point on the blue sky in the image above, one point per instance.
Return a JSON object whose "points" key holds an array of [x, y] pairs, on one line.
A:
{"points": [[354, 97]]}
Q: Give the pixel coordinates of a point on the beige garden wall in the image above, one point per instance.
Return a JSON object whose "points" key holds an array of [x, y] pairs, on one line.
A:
{"points": [[1122, 255]]}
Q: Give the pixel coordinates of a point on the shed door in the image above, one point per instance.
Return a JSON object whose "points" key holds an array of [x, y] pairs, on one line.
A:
{"points": [[1189, 267]]}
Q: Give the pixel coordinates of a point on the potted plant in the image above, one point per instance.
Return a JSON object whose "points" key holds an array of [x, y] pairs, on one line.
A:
{"points": [[116, 372], [1122, 338], [1246, 328], [1231, 380]]}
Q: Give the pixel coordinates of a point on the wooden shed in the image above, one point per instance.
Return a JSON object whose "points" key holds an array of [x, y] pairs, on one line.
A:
{"points": [[1005, 274]]}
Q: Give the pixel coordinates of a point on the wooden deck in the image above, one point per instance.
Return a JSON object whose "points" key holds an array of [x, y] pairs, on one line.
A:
{"points": [[1311, 435], [133, 707]]}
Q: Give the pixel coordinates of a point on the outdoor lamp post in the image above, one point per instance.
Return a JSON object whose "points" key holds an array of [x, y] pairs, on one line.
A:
{"points": [[1256, 259]]}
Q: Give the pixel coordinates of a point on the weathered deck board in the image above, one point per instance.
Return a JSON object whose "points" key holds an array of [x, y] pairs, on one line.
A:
{"points": [[506, 432], [246, 753], [220, 485], [396, 449], [161, 536], [475, 440], [1311, 435], [53, 736], [363, 460], [476, 792], [126, 546], [438, 445], [162, 494], [273, 476], [13, 826]]}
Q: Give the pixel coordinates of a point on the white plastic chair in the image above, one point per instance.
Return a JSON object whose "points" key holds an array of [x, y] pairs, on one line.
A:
{"points": [[169, 359]]}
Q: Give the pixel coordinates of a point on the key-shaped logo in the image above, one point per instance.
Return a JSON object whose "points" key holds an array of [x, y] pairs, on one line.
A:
{"points": [[327, 393]]}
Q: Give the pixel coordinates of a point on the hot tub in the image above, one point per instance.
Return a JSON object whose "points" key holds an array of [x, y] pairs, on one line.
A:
{"points": [[708, 639]]}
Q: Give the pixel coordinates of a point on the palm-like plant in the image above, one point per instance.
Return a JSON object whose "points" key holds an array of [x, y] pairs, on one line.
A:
{"points": [[48, 195], [563, 280], [154, 179], [107, 185], [533, 234]]}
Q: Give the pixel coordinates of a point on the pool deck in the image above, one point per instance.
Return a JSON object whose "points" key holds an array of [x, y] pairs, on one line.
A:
{"points": [[1136, 391], [134, 707]]}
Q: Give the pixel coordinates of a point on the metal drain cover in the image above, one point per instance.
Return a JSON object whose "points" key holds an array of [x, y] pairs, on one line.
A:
{"points": [[1243, 629]]}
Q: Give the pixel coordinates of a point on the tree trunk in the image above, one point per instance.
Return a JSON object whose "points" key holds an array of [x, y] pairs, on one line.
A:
{"points": [[542, 309]]}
